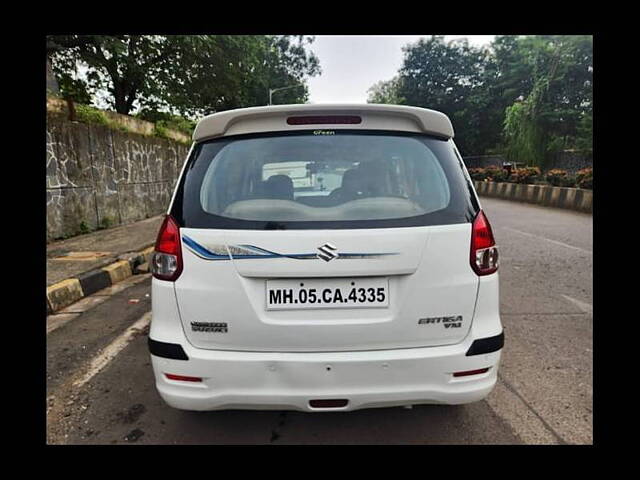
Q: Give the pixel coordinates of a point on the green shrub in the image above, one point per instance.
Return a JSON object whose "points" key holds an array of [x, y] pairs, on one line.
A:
{"points": [[83, 228], [106, 222], [584, 178], [168, 121], [496, 174], [479, 174], [558, 177], [160, 131], [179, 124], [87, 114], [527, 175]]}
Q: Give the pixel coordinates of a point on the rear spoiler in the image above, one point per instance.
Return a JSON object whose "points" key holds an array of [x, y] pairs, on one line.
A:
{"points": [[274, 118]]}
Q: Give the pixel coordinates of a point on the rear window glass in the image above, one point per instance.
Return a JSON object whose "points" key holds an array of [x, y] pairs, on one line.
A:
{"points": [[323, 179]]}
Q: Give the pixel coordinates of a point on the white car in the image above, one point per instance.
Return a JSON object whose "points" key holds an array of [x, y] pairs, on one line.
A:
{"points": [[369, 282]]}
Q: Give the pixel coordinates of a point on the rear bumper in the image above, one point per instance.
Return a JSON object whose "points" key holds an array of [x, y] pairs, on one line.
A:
{"points": [[288, 381]]}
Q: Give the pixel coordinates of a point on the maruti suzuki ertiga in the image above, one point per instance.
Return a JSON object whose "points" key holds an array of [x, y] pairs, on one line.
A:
{"points": [[322, 258]]}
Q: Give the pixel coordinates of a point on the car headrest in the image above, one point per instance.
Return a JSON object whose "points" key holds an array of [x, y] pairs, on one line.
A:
{"points": [[351, 180], [279, 187]]}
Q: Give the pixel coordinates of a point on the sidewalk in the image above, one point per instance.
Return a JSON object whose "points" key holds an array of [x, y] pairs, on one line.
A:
{"points": [[98, 259]]}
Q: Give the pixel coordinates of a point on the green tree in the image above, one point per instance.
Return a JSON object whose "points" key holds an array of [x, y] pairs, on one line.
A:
{"points": [[557, 112], [526, 95], [127, 66], [386, 92], [447, 77], [283, 62], [246, 66], [185, 74]]}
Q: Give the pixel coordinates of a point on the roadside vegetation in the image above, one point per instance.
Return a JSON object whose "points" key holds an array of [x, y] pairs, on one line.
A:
{"points": [[171, 80], [532, 175], [526, 97]]}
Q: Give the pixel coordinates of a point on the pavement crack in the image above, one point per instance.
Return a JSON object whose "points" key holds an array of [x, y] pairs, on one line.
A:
{"points": [[551, 430]]}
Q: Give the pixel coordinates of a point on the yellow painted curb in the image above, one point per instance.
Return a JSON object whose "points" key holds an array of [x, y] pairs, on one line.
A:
{"points": [[64, 293], [147, 252], [118, 271]]}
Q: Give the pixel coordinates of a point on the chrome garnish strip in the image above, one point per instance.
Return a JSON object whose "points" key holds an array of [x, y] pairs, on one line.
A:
{"points": [[242, 252]]}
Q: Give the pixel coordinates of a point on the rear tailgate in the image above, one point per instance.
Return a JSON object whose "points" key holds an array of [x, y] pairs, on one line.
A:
{"points": [[431, 289]]}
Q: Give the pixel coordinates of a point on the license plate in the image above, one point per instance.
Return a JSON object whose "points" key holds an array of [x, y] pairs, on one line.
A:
{"points": [[327, 293]]}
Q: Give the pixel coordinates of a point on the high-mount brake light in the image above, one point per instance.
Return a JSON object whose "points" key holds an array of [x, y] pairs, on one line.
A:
{"points": [[324, 120], [166, 263], [484, 252]]}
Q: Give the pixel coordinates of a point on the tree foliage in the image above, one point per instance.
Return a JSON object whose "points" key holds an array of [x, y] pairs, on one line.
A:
{"points": [[556, 113], [528, 96], [182, 74], [447, 77], [386, 92]]}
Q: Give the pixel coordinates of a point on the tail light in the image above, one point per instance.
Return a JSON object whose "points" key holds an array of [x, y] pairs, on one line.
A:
{"points": [[166, 263], [484, 252]]}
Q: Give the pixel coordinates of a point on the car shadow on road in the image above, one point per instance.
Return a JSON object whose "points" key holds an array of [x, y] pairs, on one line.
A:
{"points": [[423, 424]]}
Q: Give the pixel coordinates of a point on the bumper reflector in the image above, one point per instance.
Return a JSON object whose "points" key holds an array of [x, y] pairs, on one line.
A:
{"points": [[328, 403], [167, 350], [486, 345], [182, 378], [471, 372]]}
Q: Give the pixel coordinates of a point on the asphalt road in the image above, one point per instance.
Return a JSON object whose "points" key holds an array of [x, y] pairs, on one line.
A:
{"points": [[100, 386]]}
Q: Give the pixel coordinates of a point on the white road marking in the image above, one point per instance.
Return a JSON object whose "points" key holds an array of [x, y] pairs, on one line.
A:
{"points": [[548, 240], [585, 307], [111, 351]]}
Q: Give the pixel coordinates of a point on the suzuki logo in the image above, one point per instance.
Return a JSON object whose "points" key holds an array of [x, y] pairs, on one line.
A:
{"points": [[327, 252]]}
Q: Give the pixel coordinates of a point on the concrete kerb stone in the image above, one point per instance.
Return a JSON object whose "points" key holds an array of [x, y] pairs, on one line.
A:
{"points": [[547, 195], [93, 281], [554, 200], [70, 290], [63, 293], [530, 193], [118, 271], [570, 198], [587, 201], [536, 194], [518, 192]]}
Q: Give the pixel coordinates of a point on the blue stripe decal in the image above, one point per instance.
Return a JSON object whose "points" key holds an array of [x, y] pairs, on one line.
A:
{"points": [[203, 252]]}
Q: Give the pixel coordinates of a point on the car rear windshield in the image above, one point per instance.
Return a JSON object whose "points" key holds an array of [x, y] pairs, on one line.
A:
{"points": [[324, 179]]}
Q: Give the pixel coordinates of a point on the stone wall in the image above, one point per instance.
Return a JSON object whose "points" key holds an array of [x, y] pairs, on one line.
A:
{"points": [[99, 177], [569, 160], [483, 161], [58, 106]]}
